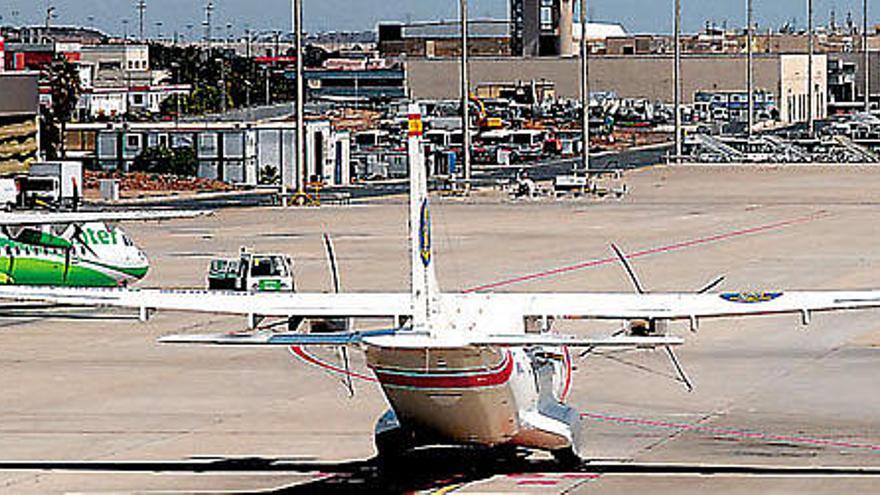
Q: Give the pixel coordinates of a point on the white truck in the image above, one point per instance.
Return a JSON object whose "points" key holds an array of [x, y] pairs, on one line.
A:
{"points": [[252, 273], [55, 183]]}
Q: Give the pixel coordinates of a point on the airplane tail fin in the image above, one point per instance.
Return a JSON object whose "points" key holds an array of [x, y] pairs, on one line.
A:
{"points": [[425, 290]]}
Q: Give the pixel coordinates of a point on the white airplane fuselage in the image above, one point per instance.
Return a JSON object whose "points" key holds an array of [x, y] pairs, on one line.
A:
{"points": [[480, 396]]}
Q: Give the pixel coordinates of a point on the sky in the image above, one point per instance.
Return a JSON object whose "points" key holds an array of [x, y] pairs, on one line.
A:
{"points": [[637, 16]]}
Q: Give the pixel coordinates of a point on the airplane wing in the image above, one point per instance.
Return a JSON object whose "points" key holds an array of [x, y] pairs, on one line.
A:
{"points": [[683, 306], [39, 218], [282, 305], [502, 308]]}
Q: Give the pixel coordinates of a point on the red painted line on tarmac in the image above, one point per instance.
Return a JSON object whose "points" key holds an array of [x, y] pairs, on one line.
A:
{"points": [[819, 442], [656, 250]]}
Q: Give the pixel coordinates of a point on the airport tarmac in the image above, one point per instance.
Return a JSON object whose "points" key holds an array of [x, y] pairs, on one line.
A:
{"points": [[769, 392]]}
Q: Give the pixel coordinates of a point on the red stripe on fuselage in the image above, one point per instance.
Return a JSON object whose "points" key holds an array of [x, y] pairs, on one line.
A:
{"points": [[489, 378]]}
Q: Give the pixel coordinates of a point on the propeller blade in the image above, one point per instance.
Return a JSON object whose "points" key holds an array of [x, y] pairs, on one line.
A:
{"points": [[682, 376], [629, 270], [334, 277], [713, 284], [78, 235], [586, 352], [331, 260], [346, 364], [67, 263]]}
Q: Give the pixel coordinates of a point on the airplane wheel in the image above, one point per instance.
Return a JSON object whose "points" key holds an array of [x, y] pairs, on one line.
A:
{"points": [[392, 445], [567, 458]]}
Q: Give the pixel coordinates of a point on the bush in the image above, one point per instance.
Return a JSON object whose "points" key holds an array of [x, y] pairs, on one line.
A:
{"points": [[162, 160]]}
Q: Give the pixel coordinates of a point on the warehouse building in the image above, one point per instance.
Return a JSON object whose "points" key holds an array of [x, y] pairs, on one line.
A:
{"points": [[637, 76]]}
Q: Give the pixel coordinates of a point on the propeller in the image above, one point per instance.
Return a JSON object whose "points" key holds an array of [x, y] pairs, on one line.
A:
{"points": [[79, 236], [654, 326], [334, 277]]}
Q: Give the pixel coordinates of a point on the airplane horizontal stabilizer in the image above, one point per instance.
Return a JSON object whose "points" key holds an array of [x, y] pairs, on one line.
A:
{"points": [[278, 339], [567, 341]]}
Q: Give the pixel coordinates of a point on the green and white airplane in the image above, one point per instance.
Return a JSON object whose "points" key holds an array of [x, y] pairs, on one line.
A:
{"points": [[74, 249]]}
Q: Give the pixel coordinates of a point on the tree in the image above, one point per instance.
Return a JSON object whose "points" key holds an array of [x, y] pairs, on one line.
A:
{"points": [[162, 160], [62, 78]]}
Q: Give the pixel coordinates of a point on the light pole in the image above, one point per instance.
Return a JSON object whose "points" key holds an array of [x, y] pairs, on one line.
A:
{"points": [[50, 12], [125, 31], [867, 61], [223, 89], [209, 10], [141, 8], [676, 76], [465, 96], [176, 67], [750, 77], [268, 87], [299, 168], [585, 91], [810, 49]]}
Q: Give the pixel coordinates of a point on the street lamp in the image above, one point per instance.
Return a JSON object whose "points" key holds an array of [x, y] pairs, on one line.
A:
{"points": [[867, 61], [465, 96], [50, 14], [750, 70], [677, 80], [811, 49], [300, 104], [585, 91]]}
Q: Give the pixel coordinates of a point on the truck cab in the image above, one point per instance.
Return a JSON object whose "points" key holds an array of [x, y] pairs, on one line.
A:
{"points": [[252, 273]]}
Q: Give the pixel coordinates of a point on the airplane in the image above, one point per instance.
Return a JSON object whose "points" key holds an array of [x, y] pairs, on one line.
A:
{"points": [[463, 369], [76, 249]]}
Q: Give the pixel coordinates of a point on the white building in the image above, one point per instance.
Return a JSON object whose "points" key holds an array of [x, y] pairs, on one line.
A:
{"points": [[240, 153]]}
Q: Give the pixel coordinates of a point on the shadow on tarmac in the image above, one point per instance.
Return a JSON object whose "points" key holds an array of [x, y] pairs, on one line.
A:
{"points": [[425, 469]]}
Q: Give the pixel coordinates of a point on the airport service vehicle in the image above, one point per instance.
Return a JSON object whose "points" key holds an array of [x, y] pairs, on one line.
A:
{"points": [[465, 369], [73, 249], [41, 191], [9, 194], [61, 182], [252, 272], [528, 144]]}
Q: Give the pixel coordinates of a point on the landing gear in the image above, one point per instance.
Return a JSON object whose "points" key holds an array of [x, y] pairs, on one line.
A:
{"points": [[567, 458], [391, 439]]}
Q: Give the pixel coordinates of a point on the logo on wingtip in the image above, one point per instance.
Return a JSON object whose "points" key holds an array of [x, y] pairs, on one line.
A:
{"points": [[750, 297], [425, 234]]}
